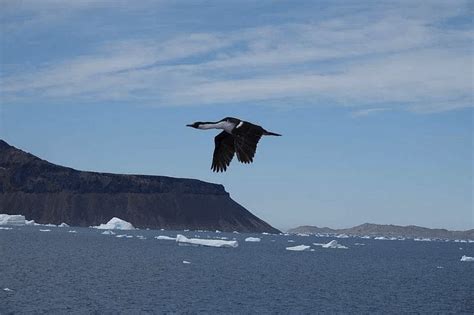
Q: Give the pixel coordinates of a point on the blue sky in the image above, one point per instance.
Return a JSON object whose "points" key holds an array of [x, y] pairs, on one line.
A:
{"points": [[374, 99]]}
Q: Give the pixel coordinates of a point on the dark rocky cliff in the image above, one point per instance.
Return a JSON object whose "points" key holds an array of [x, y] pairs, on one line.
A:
{"points": [[49, 193]]}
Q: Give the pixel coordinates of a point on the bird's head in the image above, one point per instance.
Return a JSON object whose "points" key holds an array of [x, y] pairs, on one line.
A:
{"points": [[195, 125]]}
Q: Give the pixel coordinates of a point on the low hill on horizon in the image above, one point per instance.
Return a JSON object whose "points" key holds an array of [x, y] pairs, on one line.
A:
{"points": [[389, 230]]}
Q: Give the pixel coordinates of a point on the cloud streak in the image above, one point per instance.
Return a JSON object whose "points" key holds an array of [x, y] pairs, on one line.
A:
{"points": [[388, 61]]}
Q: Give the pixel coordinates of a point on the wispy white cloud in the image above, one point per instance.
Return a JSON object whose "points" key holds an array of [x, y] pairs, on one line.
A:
{"points": [[385, 61]]}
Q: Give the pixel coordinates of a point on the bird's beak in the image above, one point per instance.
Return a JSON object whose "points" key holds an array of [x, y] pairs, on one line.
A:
{"points": [[189, 125]]}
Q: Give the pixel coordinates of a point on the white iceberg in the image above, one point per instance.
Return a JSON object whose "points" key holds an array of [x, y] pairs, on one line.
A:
{"points": [[7, 289], [467, 258], [5, 228], [45, 230], [342, 236], [331, 244], [298, 248], [186, 262], [8, 219], [265, 233], [252, 239], [72, 231], [108, 232], [383, 238], [115, 224], [63, 225], [166, 238], [181, 239]]}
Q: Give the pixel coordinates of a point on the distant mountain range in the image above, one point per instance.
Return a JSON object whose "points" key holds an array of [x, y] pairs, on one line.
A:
{"points": [[368, 229], [49, 193]]}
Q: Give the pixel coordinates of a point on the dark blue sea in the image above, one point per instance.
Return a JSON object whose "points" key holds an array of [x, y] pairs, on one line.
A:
{"points": [[87, 272]]}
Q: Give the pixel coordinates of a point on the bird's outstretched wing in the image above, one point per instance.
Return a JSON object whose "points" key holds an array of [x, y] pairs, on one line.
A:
{"points": [[223, 152], [246, 137]]}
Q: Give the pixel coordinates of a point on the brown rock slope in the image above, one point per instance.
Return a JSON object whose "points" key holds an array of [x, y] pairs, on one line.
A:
{"points": [[49, 193]]}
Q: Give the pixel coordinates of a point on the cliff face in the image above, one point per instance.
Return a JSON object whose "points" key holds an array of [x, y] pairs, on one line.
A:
{"points": [[49, 193]]}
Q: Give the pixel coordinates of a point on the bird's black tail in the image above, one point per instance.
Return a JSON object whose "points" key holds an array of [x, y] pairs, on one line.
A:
{"points": [[268, 133]]}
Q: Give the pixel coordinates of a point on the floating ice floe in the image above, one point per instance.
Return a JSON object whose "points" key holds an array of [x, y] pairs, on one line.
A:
{"points": [[15, 219], [115, 224], [265, 233], [124, 235], [331, 244], [108, 232], [166, 238], [298, 248], [383, 238], [359, 244], [45, 230], [5, 228], [63, 225], [7, 289], [302, 234], [291, 241], [439, 267], [141, 237], [467, 258], [72, 231], [186, 262], [181, 239], [252, 239], [418, 239], [342, 236], [365, 237]]}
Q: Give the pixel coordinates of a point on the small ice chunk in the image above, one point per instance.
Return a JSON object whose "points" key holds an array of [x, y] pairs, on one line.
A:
{"points": [[115, 224], [45, 230], [383, 238], [186, 262], [166, 238], [108, 232], [291, 241], [141, 237], [439, 267], [5, 228], [359, 244], [342, 236], [181, 239], [298, 248], [72, 231], [7, 289], [252, 239], [63, 225], [15, 219], [265, 233], [30, 222], [422, 239], [331, 244], [302, 234], [467, 258]]}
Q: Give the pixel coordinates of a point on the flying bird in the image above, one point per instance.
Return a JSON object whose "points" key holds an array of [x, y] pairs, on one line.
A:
{"points": [[238, 137]]}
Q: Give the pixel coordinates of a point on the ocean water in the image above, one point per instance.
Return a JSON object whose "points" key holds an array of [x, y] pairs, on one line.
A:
{"points": [[87, 272]]}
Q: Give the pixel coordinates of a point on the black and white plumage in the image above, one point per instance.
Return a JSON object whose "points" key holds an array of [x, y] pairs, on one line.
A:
{"points": [[239, 137]]}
